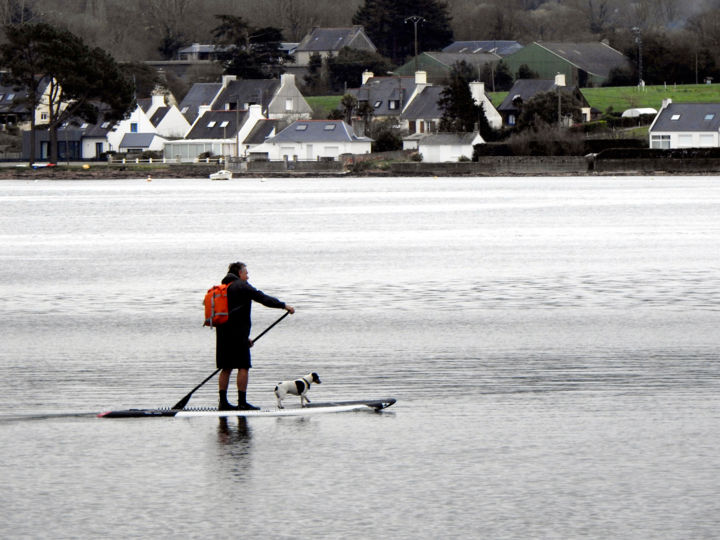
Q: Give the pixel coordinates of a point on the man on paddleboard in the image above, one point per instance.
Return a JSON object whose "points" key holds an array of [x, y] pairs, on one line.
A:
{"points": [[233, 337]]}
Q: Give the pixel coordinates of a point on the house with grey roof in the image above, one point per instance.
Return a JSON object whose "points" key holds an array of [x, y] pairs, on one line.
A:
{"points": [[312, 140], [77, 139], [387, 96], [443, 147], [413, 102], [217, 133], [583, 64], [328, 41], [279, 99], [523, 90], [686, 125], [500, 47]]}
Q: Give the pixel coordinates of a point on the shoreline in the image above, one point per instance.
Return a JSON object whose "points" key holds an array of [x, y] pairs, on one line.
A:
{"points": [[447, 170]]}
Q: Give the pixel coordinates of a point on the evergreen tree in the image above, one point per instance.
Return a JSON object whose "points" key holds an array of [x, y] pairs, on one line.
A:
{"points": [[246, 51], [460, 112], [385, 23], [81, 80]]}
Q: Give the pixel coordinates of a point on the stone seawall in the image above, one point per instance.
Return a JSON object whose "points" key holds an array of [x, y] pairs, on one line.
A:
{"points": [[497, 166]]}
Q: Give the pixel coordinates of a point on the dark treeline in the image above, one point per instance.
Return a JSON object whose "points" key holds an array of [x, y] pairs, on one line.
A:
{"points": [[685, 33]]}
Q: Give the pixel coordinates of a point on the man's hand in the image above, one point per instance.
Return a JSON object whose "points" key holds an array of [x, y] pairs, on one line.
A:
{"points": [[250, 343], [290, 309]]}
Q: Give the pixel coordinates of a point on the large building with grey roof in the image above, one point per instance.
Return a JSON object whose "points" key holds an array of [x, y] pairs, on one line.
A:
{"points": [[583, 64]]}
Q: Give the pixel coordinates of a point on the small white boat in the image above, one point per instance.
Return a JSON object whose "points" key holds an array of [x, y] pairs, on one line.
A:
{"points": [[223, 174]]}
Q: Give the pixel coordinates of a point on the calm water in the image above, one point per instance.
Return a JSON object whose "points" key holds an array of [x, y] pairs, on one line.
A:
{"points": [[552, 344]]}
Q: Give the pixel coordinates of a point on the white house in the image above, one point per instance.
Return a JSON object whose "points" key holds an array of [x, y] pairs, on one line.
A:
{"points": [[443, 147], [686, 125], [137, 122], [311, 140], [219, 133], [169, 122]]}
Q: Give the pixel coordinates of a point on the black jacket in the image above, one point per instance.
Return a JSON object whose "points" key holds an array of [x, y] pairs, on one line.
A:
{"points": [[240, 298]]}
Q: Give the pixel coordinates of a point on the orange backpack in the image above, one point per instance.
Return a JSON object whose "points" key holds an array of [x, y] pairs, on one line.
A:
{"points": [[216, 305]]}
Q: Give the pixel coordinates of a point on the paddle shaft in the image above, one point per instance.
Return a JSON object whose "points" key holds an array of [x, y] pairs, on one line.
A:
{"points": [[184, 401]]}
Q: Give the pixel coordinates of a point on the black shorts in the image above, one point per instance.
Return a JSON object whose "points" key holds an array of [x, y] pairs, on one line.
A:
{"points": [[231, 350]]}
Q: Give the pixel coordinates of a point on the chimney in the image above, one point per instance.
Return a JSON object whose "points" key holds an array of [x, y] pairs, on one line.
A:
{"points": [[226, 79], [421, 77], [157, 101], [477, 91], [202, 109], [255, 111], [287, 79], [666, 102], [366, 76], [560, 79]]}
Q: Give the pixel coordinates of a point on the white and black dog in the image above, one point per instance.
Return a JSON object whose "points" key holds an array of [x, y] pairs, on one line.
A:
{"points": [[298, 387]]}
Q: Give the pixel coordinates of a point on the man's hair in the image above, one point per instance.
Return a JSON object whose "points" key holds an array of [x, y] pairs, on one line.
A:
{"points": [[235, 268]]}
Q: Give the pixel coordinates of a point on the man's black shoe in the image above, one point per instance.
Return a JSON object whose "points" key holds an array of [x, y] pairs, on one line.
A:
{"points": [[226, 407], [247, 407]]}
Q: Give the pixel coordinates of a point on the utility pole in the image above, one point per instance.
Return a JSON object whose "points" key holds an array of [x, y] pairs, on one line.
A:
{"points": [[415, 19]]}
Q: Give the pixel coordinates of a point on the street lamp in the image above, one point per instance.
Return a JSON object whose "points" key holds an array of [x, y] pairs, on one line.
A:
{"points": [[638, 39], [415, 19]]}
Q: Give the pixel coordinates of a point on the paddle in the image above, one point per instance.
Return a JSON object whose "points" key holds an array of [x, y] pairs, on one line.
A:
{"points": [[184, 401]]}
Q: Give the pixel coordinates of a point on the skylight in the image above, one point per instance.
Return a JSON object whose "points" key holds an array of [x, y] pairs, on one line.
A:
{"points": [[709, 116], [329, 127], [224, 123], [211, 124], [675, 117], [301, 127], [377, 104]]}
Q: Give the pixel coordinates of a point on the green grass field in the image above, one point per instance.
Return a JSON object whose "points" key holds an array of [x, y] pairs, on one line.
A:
{"points": [[618, 97], [628, 97]]}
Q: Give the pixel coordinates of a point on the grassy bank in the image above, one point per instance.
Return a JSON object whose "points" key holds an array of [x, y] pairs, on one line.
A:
{"points": [[617, 97], [628, 97]]}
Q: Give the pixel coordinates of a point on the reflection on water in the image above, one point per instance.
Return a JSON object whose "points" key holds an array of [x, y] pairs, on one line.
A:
{"points": [[552, 344]]}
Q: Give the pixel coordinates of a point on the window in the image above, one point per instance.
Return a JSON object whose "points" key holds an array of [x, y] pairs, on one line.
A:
{"points": [[675, 117], [105, 125], [329, 127], [211, 124], [10, 97], [511, 120], [301, 127], [709, 116], [289, 104], [660, 141], [224, 123], [411, 126], [184, 110], [377, 104], [84, 125], [133, 127], [392, 105], [43, 116]]}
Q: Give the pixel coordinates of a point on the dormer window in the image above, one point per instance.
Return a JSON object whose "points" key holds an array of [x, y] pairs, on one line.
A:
{"points": [[393, 105]]}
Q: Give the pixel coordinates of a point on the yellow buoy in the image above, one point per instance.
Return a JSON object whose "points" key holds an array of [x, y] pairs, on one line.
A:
{"points": [[86, 166]]}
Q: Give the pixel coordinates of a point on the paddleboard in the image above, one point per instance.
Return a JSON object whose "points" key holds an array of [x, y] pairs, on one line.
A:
{"points": [[309, 410]]}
